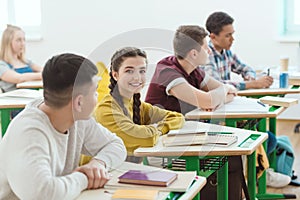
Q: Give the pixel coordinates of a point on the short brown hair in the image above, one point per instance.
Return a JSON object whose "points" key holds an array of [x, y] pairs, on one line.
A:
{"points": [[186, 38], [64, 76], [216, 21]]}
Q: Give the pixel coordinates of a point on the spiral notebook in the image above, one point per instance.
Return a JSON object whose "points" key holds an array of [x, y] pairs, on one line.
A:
{"points": [[199, 139]]}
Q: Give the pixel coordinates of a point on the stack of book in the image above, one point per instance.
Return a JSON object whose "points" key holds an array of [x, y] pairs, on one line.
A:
{"points": [[146, 177], [214, 138]]}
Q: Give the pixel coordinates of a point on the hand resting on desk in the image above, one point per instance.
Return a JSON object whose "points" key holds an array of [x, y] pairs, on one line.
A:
{"points": [[96, 173], [230, 93]]}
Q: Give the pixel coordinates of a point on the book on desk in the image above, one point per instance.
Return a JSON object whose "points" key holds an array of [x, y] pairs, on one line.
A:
{"points": [[181, 184], [213, 138], [238, 105], [279, 101], [123, 194], [243, 105], [148, 177], [187, 129], [192, 134], [23, 93]]}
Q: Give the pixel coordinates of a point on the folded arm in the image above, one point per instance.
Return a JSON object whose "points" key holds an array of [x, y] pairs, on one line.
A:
{"points": [[13, 77], [214, 93]]}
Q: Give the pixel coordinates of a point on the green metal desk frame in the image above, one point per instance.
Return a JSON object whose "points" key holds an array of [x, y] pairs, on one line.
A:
{"points": [[262, 193], [262, 189], [5, 118]]}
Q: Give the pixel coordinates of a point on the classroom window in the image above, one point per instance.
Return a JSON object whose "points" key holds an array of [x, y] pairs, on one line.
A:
{"points": [[26, 14], [291, 17]]}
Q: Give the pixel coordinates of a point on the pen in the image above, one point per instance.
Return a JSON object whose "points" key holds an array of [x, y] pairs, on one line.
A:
{"points": [[261, 103], [268, 72], [215, 133]]}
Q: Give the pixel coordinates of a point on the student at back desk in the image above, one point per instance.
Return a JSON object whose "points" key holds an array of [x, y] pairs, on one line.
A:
{"points": [[222, 61], [14, 67]]}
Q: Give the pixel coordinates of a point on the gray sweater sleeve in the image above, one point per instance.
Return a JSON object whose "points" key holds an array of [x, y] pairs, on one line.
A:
{"points": [[104, 145], [5, 86]]}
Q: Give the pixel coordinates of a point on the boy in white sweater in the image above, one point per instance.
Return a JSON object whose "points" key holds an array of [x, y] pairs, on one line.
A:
{"points": [[40, 151]]}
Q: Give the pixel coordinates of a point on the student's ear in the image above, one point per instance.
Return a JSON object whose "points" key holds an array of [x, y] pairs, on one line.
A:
{"points": [[115, 75], [78, 102], [193, 53], [212, 36]]}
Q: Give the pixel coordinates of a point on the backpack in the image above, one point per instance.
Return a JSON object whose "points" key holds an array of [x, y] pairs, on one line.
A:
{"points": [[284, 156]]}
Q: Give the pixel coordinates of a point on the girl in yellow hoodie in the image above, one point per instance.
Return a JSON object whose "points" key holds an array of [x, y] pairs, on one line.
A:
{"points": [[138, 123]]}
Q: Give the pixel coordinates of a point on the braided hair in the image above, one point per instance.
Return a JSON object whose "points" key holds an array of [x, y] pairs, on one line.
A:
{"points": [[116, 61]]}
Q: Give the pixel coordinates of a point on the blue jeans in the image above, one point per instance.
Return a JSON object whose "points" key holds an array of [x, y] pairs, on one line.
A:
{"points": [[271, 142]]}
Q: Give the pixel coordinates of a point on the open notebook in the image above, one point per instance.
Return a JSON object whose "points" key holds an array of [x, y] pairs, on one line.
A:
{"points": [[199, 139], [23, 93], [189, 127], [243, 105]]}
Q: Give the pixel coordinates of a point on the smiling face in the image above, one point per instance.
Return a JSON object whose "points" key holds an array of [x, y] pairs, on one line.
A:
{"points": [[131, 76], [18, 42]]}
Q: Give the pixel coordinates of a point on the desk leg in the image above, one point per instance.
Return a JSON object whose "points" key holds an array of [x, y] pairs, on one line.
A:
{"points": [[272, 156], [230, 122], [262, 182], [192, 164], [5, 119], [222, 178], [252, 175]]}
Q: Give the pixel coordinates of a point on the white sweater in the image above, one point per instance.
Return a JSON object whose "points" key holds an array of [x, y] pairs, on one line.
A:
{"points": [[37, 162]]}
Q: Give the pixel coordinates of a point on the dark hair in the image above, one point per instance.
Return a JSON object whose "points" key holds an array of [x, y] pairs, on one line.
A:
{"points": [[216, 21], [116, 61], [65, 76], [186, 38]]}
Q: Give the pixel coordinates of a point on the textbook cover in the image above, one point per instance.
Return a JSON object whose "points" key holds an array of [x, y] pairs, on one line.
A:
{"points": [[146, 177], [135, 194]]}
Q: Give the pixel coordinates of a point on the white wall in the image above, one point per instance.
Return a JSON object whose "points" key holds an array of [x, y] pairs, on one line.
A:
{"points": [[96, 28]]}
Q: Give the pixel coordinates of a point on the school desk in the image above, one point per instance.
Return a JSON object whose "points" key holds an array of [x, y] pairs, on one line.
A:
{"points": [[107, 192], [231, 120], [14, 100], [258, 93], [248, 142], [30, 85], [269, 92], [294, 79]]}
